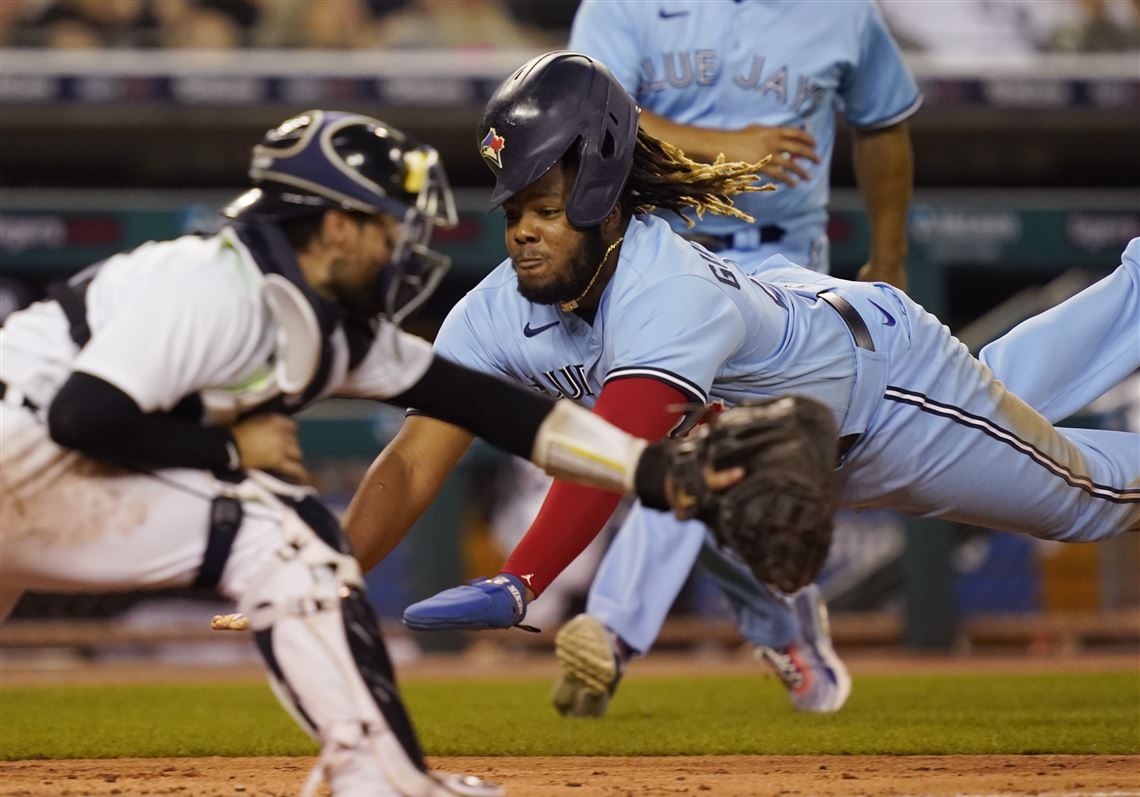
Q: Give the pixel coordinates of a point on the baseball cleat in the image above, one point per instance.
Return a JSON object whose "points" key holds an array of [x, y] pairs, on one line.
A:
{"points": [[809, 668], [382, 770], [591, 668]]}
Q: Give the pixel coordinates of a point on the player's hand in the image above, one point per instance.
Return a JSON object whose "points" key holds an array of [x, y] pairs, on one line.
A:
{"points": [[269, 442], [788, 146], [716, 480], [721, 480], [498, 602], [892, 275]]}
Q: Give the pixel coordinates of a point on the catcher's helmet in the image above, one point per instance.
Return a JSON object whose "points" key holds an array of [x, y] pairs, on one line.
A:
{"points": [[332, 159], [553, 103]]}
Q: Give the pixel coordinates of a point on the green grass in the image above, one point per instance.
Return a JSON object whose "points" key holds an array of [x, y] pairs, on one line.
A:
{"points": [[1013, 714]]}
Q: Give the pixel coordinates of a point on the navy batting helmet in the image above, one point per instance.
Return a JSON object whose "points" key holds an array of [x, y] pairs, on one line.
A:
{"points": [[553, 103], [332, 159]]}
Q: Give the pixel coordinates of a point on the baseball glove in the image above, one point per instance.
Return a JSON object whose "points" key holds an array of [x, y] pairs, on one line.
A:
{"points": [[778, 519]]}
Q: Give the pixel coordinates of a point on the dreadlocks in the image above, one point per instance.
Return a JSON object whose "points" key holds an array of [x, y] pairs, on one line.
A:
{"points": [[663, 177]]}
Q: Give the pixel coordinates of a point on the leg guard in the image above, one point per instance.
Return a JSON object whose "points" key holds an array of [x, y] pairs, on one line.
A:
{"points": [[329, 668]]}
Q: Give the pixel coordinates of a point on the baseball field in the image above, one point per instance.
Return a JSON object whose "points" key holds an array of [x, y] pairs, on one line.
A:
{"points": [[1010, 726]]}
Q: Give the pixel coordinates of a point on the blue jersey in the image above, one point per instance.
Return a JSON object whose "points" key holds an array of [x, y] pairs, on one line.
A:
{"points": [[673, 312], [726, 65]]}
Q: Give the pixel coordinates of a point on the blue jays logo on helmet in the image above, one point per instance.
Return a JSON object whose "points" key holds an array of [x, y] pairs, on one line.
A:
{"points": [[555, 104], [492, 146]]}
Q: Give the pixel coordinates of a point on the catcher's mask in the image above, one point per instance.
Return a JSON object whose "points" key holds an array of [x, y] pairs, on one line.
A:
{"points": [[334, 159], [552, 104]]}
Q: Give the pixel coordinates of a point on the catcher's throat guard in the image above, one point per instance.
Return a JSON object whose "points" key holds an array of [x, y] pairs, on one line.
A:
{"points": [[298, 343]]}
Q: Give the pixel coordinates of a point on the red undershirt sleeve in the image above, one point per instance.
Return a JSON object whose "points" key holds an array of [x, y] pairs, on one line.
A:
{"points": [[572, 515]]}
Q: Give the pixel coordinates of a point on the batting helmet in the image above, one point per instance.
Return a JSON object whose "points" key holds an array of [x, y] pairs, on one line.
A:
{"points": [[332, 159], [553, 103]]}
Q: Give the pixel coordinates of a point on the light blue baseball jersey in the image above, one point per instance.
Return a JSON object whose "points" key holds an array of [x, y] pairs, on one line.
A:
{"points": [[672, 312], [728, 64]]}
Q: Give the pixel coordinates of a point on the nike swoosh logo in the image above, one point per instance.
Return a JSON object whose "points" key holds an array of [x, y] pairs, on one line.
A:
{"points": [[888, 319], [661, 12], [530, 331]]}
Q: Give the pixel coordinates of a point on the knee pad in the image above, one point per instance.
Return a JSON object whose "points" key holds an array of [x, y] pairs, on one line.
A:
{"points": [[328, 666]]}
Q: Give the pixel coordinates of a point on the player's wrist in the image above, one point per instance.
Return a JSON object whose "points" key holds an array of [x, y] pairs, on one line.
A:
{"points": [[651, 478], [576, 443], [515, 578]]}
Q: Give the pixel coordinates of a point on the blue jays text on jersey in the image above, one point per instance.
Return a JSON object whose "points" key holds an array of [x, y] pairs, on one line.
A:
{"points": [[685, 68]]}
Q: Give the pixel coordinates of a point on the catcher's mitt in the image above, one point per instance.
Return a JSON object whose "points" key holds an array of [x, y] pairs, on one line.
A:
{"points": [[778, 518]]}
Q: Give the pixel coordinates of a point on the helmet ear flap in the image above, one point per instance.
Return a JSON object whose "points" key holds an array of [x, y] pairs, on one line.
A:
{"points": [[607, 151]]}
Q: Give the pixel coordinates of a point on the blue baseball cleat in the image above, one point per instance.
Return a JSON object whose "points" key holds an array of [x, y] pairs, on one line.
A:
{"points": [[816, 679], [497, 602]]}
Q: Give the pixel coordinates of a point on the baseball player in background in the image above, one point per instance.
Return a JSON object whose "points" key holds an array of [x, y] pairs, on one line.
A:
{"points": [[637, 321], [766, 77], [147, 440], [749, 80]]}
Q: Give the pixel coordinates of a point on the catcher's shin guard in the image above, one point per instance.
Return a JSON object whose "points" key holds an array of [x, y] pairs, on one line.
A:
{"points": [[329, 668]]}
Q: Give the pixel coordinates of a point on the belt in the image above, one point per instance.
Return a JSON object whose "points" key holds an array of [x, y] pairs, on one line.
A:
{"points": [[862, 337], [750, 238], [851, 318], [15, 396]]}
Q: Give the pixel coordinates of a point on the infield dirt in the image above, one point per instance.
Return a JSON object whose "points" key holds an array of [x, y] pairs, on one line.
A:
{"points": [[712, 776]]}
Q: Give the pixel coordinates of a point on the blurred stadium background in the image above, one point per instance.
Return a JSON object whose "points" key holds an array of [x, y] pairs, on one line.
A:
{"points": [[125, 120]]}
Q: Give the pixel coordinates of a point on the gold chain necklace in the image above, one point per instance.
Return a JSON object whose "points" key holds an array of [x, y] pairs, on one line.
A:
{"points": [[572, 305]]}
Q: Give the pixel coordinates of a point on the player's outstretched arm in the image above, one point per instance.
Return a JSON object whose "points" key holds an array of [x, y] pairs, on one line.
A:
{"points": [[569, 518], [776, 457], [566, 440], [400, 485]]}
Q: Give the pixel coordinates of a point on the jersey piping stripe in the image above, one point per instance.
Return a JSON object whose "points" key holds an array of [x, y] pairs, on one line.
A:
{"points": [[893, 120], [988, 427], [668, 377]]}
